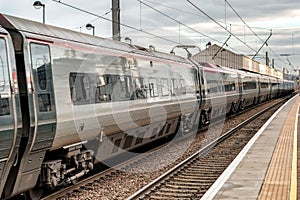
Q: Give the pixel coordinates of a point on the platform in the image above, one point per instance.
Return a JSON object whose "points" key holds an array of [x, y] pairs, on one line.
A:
{"points": [[267, 167]]}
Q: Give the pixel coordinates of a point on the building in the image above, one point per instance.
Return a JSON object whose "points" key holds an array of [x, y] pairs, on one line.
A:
{"points": [[220, 56]]}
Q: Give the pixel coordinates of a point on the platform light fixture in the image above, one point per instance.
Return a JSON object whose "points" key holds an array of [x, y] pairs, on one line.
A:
{"points": [[89, 27], [127, 39], [38, 5]]}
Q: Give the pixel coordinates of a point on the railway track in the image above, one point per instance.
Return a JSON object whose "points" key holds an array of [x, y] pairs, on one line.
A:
{"points": [[90, 184], [191, 178]]}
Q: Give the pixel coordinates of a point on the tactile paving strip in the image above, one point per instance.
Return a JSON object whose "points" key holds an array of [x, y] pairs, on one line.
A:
{"points": [[278, 179]]}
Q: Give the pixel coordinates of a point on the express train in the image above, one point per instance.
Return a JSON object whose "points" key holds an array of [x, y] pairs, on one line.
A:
{"points": [[63, 91]]}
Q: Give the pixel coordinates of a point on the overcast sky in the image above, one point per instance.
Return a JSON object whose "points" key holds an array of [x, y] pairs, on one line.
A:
{"points": [[192, 26]]}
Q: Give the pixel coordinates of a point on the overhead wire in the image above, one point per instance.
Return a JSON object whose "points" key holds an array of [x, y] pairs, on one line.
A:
{"points": [[179, 22], [195, 14], [122, 24], [92, 20], [264, 42], [244, 21], [212, 19]]}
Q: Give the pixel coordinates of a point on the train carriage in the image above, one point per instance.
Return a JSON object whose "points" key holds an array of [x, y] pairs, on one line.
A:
{"points": [[221, 90]]}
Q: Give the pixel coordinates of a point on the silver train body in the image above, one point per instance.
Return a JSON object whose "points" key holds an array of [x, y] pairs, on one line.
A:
{"points": [[69, 99]]}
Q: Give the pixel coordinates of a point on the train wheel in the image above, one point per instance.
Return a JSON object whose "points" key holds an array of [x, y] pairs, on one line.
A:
{"points": [[34, 194], [234, 107], [202, 121], [242, 105]]}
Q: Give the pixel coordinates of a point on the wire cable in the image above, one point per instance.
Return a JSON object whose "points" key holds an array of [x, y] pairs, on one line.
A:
{"points": [[220, 25], [79, 27], [264, 42], [122, 24], [179, 22]]}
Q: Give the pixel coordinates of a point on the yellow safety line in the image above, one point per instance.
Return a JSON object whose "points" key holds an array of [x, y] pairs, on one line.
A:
{"points": [[293, 190]]}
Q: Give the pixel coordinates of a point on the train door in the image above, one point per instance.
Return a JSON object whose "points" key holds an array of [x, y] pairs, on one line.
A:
{"points": [[6, 115], [38, 113], [198, 85], [43, 109], [9, 114]]}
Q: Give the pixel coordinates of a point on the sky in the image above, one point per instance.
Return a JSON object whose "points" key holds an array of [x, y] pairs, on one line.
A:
{"points": [[167, 23]]}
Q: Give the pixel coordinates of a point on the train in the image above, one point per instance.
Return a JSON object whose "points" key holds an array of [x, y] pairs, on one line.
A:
{"points": [[69, 99]]}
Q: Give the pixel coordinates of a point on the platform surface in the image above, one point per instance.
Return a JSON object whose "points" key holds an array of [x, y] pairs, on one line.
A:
{"points": [[267, 167]]}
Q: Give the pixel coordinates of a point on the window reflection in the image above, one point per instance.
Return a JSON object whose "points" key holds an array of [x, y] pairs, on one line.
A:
{"points": [[4, 80]]}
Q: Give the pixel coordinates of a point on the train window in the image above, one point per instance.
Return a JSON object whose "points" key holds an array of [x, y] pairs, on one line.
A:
{"points": [[3, 65], [89, 88], [183, 86], [140, 91], [174, 86], [84, 88], [213, 86], [4, 106], [104, 88], [229, 86], [178, 87], [274, 85], [264, 85], [40, 59], [164, 87], [4, 80], [120, 87], [44, 102], [249, 85], [153, 87]]}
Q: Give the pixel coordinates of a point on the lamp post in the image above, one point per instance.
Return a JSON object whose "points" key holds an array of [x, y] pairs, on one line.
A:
{"points": [[38, 5], [89, 27]]}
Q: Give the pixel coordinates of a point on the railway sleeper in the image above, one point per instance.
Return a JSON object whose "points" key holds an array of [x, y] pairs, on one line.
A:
{"points": [[188, 178], [172, 195], [153, 197], [178, 190], [183, 186], [199, 174], [190, 184], [192, 180], [201, 170]]}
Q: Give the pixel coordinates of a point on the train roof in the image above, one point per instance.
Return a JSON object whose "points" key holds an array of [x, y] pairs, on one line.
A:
{"points": [[29, 27]]}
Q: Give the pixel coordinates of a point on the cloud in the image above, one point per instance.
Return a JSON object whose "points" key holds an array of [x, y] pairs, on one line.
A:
{"points": [[282, 16]]}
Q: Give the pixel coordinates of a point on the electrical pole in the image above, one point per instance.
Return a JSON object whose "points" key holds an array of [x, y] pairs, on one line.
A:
{"points": [[116, 20]]}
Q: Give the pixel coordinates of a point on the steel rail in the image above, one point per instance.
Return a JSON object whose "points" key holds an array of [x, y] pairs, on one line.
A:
{"points": [[202, 152]]}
